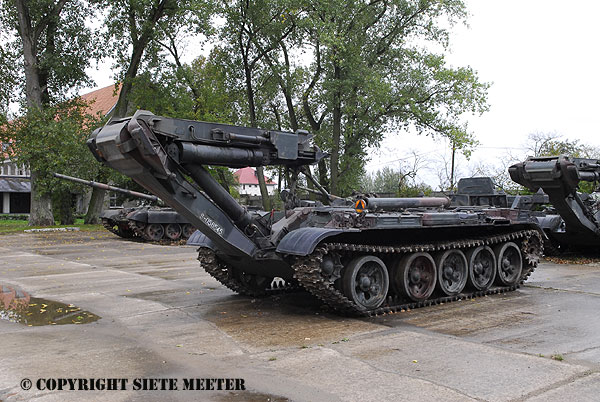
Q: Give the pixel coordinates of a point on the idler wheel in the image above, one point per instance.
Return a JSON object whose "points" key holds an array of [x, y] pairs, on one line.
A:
{"points": [[154, 231], [366, 282], [173, 231], [510, 263], [452, 271], [482, 267], [188, 230], [415, 276]]}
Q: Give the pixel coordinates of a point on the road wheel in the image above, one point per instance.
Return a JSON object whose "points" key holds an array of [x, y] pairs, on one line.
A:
{"points": [[482, 267], [173, 231], [510, 263], [452, 271], [415, 276], [366, 282], [188, 230], [154, 231]]}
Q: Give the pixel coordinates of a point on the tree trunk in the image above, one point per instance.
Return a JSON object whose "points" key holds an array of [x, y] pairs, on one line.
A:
{"points": [[139, 46], [336, 134], [92, 217], [266, 201], [260, 175], [122, 106], [40, 213], [33, 93], [323, 179], [62, 203]]}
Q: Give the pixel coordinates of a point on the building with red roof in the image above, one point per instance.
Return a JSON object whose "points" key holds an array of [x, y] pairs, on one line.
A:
{"points": [[248, 182], [15, 184]]}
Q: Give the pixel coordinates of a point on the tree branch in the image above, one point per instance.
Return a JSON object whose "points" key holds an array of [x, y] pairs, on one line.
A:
{"points": [[47, 18]]}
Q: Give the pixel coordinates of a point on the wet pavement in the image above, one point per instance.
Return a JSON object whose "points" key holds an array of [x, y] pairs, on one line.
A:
{"points": [[156, 314]]}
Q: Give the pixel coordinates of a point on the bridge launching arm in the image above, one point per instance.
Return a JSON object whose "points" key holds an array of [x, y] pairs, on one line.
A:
{"points": [[166, 157], [559, 177]]}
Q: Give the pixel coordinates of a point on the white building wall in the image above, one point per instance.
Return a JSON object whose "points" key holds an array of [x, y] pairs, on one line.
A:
{"points": [[253, 189]]}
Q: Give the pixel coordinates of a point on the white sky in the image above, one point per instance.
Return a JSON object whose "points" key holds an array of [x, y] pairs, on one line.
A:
{"points": [[542, 60]]}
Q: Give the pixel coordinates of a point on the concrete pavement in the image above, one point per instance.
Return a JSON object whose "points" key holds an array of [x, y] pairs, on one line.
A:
{"points": [[164, 317]]}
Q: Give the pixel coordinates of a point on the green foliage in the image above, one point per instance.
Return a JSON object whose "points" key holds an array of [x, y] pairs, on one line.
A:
{"points": [[14, 217], [462, 140], [396, 182], [379, 77], [52, 46], [551, 144], [8, 75], [65, 47], [8, 226], [54, 140], [371, 71], [129, 22], [225, 178], [197, 91], [141, 33]]}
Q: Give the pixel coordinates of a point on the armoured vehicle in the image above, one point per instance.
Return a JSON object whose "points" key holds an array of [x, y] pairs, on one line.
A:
{"points": [[478, 191], [144, 222], [575, 221], [365, 256]]}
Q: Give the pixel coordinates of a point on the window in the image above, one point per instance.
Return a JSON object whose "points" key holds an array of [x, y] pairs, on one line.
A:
{"points": [[5, 146], [112, 200]]}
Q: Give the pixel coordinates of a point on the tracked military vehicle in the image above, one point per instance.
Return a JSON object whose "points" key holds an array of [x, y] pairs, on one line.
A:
{"points": [[152, 224], [574, 223], [364, 256]]}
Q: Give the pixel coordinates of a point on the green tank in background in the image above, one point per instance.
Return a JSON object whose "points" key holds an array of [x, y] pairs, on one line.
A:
{"points": [[149, 223]]}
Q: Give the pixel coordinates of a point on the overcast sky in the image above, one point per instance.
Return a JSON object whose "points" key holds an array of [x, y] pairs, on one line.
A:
{"points": [[542, 60]]}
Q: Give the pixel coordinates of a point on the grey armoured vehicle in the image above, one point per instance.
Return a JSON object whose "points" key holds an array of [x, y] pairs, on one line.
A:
{"points": [[152, 224], [367, 256], [574, 221]]}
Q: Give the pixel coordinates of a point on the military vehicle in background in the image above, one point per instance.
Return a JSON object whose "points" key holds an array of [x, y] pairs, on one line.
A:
{"points": [[153, 224], [362, 256], [573, 223], [481, 191], [478, 191]]}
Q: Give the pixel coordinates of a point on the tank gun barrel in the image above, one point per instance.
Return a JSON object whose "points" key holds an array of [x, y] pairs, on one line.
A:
{"points": [[313, 191], [107, 187]]}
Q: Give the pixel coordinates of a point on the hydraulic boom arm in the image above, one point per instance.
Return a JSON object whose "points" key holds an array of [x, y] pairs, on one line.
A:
{"points": [[559, 177], [166, 156]]}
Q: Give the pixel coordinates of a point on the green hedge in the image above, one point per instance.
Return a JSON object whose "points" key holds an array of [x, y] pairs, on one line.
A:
{"points": [[14, 217]]}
